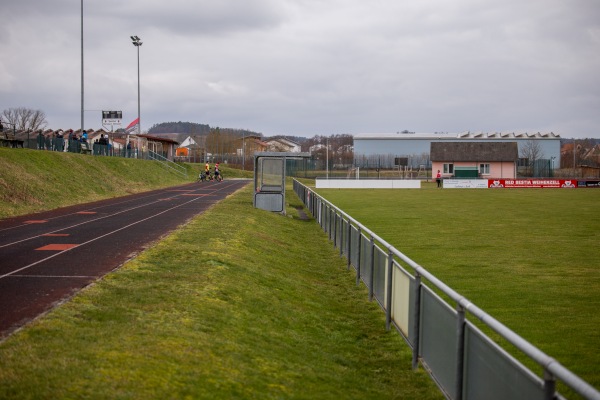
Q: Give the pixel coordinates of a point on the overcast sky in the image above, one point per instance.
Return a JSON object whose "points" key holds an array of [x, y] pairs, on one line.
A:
{"points": [[308, 67]]}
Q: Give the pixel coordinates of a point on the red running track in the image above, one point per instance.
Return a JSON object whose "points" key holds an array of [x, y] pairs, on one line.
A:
{"points": [[47, 257]]}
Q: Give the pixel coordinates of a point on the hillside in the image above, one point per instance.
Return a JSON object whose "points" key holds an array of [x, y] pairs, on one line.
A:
{"points": [[33, 180]]}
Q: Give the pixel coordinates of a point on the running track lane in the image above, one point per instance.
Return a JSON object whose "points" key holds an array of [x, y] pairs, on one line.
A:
{"points": [[47, 257]]}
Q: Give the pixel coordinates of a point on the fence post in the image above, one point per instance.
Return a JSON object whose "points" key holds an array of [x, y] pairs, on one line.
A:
{"points": [[322, 212], [318, 210], [328, 221], [460, 349], [549, 385], [342, 235], [359, 256], [372, 268], [335, 224], [349, 244], [417, 321], [388, 300]]}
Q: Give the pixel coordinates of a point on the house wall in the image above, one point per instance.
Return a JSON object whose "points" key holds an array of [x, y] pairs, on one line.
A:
{"points": [[498, 170]]}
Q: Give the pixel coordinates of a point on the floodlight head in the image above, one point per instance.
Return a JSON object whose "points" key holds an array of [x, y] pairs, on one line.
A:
{"points": [[132, 38]]}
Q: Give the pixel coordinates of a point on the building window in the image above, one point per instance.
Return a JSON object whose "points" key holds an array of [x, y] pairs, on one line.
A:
{"points": [[484, 169], [448, 168]]}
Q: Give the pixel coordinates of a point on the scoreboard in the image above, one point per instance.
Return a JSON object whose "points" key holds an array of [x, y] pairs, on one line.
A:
{"points": [[112, 117]]}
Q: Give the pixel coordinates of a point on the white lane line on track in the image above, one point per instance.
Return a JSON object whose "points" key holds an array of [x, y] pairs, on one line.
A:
{"points": [[99, 237], [155, 193], [85, 222]]}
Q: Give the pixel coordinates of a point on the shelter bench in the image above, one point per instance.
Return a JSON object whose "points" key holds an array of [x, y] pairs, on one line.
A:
{"points": [[85, 148]]}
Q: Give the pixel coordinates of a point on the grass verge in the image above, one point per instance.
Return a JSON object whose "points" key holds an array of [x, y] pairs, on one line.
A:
{"points": [[239, 303], [34, 180]]}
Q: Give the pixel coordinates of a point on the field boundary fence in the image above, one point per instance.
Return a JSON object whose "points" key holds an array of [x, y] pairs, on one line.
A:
{"points": [[463, 360]]}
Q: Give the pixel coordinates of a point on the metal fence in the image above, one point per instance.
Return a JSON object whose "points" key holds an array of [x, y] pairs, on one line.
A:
{"points": [[463, 361]]}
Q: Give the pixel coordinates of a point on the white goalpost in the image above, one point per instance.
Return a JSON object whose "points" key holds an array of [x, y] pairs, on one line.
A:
{"points": [[355, 171]]}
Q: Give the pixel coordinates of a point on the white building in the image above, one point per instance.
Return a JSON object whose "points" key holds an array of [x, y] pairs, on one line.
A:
{"points": [[189, 142], [383, 149], [283, 145]]}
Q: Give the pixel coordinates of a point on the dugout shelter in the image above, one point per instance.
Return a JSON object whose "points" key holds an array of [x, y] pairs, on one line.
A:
{"points": [[269, 179]]}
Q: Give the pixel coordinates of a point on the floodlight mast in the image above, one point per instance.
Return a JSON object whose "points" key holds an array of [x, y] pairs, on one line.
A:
{"points": [[82, 98], [137, 43]]}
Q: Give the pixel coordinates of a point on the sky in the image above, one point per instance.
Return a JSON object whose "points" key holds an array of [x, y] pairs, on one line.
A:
{"points": [[309, 67]]}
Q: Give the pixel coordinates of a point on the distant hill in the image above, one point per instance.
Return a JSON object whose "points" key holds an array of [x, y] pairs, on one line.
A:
{"points": [[188, 128], [179, 131]]}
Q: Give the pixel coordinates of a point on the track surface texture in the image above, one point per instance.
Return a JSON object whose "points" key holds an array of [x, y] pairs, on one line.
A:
{"points": [[47, 257]]}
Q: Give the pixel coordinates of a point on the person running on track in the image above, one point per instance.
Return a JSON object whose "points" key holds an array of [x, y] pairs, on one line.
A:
{"points": [[207, 174], [218, 173]]}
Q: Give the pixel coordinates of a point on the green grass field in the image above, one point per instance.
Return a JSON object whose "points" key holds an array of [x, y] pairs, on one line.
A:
{"points": [[528, 257]]}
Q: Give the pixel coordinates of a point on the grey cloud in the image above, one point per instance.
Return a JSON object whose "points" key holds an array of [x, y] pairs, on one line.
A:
{"points": [[312, 66]]}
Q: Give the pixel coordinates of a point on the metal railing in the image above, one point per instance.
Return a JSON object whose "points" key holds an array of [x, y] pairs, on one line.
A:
{"points": [[463, 361], [165, 162]]}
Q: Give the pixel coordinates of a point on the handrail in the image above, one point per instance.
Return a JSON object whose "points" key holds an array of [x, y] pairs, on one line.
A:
{"points": [[167, 163], [548, 363]]}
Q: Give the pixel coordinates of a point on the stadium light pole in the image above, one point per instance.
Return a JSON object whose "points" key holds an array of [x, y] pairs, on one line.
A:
{"points": [[82, 66], [138, 43], [327, 159]]}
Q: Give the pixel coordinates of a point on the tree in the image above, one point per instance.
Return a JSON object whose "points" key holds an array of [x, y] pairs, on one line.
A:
{"points": [[25, 118], [531, 151]]}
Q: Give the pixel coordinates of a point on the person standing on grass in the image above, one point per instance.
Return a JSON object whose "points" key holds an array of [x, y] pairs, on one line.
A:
{"points": [[438, 179]]}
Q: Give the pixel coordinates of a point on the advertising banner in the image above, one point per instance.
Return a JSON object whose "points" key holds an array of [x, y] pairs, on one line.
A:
{"points": [[589, 183], [532, 183], [466, 184]]}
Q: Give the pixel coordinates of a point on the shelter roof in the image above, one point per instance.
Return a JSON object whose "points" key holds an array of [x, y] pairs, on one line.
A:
{"points": [[158, 139]]}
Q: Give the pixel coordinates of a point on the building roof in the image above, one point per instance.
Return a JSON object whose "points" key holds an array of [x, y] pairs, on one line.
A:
{"points": [[158, 139], [474, 151], [462, 135]]}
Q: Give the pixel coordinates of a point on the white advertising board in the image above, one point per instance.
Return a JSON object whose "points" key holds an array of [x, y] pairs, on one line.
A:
{"points": [[465, 183], [368, 184]]}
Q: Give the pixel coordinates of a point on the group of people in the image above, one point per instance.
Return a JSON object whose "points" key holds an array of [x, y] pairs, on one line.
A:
{"points": [[208, 175], [103, 140]]}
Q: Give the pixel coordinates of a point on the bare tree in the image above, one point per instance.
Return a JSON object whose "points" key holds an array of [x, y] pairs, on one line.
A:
{"points": [[531, 151], [25, 118]]}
